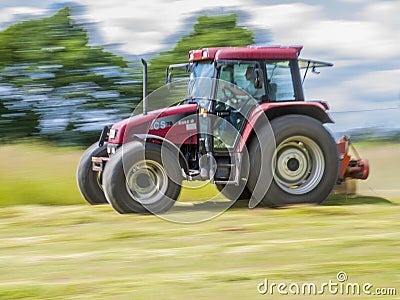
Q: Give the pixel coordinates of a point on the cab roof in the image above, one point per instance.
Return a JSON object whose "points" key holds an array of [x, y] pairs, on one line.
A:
{"points": [[245, 53]]}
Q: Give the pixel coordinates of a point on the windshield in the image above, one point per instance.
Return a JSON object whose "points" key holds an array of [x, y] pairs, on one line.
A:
{"points": [[202, 69], [200, 85]]}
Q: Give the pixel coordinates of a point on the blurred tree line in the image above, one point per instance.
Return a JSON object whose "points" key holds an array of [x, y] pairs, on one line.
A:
{"points": [[55, 86]]}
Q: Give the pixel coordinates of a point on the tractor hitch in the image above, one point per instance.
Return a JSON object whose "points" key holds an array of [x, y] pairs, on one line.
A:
{"points": [[98, 163]]}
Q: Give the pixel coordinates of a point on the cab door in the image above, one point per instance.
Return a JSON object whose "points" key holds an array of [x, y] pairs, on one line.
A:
{"points": [[236, 95]]}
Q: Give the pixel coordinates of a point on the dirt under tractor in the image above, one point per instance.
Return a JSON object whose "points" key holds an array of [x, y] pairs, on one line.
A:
{"points": [[243, 124]]}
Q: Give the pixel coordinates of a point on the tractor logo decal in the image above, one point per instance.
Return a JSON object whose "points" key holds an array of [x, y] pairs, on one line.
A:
{"points": [[169, 121]]}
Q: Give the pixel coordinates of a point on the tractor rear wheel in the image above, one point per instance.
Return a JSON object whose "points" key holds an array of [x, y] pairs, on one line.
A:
{"points": [[89, 181], [138, 179], [304, 164]]}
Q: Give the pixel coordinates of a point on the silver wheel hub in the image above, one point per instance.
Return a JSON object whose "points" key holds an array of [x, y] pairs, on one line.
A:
{"points": [[147, 181], [300, 165]]}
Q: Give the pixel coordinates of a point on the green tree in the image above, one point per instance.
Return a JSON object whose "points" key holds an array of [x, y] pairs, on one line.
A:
{"points": [[58, 82], [215, 31], [16, 123]]}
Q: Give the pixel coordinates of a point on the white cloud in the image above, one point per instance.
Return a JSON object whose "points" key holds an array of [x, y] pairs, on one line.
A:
{"points": [[352, 1], [142, 26], [352, 38], [384, 12], [284, 20], [372, 90], [146, 23], [377, 82], [11, 13], [298, 23]]}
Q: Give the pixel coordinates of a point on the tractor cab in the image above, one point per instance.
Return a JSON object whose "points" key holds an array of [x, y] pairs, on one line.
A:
{"points": [[229, 83], [265, 76]]}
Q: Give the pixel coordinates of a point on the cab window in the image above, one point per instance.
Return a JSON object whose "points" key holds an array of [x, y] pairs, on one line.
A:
{"points": [[279, 78]]}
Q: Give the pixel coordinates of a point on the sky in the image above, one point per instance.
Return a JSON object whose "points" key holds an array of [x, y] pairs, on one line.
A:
{"points": [[360, 37]]}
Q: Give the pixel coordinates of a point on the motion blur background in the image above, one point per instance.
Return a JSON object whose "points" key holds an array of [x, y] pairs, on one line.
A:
{"points": [[69, 68]]}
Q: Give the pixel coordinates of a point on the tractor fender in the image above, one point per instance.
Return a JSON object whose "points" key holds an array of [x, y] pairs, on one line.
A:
{"points": [[151, 138], [271, 110]]}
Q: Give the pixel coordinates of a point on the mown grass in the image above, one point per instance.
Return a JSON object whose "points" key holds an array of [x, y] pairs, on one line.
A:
{"points": [[82, 252], [38, 174]]}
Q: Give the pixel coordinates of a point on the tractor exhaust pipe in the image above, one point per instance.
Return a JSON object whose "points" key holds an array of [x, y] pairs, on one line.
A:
{"points": [[144, 63]]}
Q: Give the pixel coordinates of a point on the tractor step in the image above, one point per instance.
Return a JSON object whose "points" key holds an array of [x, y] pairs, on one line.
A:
{"points": [[225, 165], [193, 173], [225, 182], [227, 169]]}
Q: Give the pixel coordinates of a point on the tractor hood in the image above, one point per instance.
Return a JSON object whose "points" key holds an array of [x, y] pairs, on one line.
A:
{"points": [[156, 122]]}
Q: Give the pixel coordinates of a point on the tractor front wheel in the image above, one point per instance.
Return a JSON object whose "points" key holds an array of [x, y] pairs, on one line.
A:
{"points": [[89, 181], [140, 178]]}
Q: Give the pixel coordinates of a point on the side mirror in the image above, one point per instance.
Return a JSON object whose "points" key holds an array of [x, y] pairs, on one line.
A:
{"points": [[257, 79], [169, 77]]}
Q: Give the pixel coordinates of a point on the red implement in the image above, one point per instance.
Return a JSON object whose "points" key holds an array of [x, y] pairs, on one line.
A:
{"points": [[351, 168]]}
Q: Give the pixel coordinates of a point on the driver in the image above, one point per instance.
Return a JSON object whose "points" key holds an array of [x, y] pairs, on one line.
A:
{"points": [[250, 88], [246, 87]]}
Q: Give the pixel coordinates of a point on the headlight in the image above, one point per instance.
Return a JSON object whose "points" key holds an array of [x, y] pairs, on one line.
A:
{"points": [[113, 133], [112, 148]]}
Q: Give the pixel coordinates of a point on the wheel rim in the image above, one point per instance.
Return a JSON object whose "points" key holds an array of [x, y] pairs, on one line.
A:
{"points": [[299, 165], [147, 181], [99, 180]]}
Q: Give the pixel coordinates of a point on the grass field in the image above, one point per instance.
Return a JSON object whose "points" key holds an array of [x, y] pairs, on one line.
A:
{"points": [[43, 174], [64, 251]]}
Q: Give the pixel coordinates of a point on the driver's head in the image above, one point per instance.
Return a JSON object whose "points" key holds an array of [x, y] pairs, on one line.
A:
{"points": [[249, 73]]}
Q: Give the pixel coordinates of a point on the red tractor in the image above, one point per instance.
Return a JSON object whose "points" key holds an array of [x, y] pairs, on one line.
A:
{"points": [[243, 125]]}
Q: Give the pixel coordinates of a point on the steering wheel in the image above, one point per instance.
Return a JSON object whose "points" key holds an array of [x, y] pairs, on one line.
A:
{"points": [[232, 98]]}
